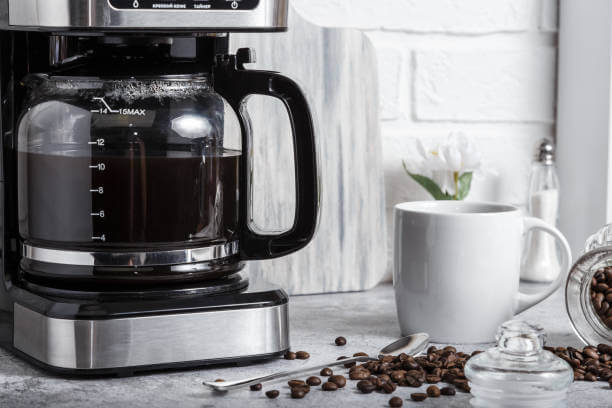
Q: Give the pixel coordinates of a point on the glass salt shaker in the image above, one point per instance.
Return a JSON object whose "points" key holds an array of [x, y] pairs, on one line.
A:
{"points": [[541, 263], [588, 292], [518, 372]]}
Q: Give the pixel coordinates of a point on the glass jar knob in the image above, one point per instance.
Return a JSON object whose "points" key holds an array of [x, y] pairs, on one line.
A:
{"points": [[521, 339]]}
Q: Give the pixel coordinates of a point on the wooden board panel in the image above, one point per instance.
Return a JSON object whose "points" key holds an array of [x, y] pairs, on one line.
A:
{"points": [[337, 70]]}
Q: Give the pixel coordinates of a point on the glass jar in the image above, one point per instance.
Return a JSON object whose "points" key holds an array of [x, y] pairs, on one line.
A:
{"points": [[588, 293], [519, 372]]}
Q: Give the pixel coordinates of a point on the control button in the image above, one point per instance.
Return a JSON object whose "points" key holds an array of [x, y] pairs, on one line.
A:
{"points": [[234, 5], [136, 4]]}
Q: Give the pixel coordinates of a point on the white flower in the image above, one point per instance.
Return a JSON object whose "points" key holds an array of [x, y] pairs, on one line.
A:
{"points": [[448, 160]]}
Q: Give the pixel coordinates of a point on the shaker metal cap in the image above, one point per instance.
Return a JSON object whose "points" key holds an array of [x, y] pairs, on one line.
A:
{"points": [[546, 152]]}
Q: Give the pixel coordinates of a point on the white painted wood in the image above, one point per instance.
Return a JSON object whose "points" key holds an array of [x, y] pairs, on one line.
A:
{"points": [[585, 95], [337, 69]]}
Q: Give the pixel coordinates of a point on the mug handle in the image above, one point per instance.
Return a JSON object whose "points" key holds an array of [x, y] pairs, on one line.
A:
{"points": [[525, 301]]}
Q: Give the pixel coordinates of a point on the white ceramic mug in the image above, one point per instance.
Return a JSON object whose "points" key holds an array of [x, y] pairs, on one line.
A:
{"points": [[457, 268]]}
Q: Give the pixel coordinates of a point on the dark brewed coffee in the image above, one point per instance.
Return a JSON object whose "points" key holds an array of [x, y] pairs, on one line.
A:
{"points": [[133, 199]]}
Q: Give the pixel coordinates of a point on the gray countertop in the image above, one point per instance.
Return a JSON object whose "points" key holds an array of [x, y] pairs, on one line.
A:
{"points": [[366, 319]]}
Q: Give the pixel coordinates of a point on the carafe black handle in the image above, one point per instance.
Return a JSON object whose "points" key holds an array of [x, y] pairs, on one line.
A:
{"points": [[235, 84]]}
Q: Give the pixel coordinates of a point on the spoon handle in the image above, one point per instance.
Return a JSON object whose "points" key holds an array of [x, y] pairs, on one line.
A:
{"points": [[232, 385]]}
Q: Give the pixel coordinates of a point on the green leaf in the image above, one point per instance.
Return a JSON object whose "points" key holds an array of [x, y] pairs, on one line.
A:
{"points": [[464, 185], [429, 185]]}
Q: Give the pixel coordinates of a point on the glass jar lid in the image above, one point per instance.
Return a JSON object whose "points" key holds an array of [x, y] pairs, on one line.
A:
{"points": [[589, 289], [518, 372]]}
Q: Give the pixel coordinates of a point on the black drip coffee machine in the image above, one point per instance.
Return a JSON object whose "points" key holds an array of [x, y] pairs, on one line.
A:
{"points": [[126, 184]]}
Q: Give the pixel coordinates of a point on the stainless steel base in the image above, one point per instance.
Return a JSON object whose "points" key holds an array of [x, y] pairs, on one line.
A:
{"points": [[166, 339]]}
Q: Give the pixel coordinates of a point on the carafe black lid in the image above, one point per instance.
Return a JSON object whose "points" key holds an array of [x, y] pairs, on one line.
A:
{"points": [[134, 55]]}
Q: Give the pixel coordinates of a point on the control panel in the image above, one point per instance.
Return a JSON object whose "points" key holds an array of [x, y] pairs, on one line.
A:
{"points": [[184, 4]]}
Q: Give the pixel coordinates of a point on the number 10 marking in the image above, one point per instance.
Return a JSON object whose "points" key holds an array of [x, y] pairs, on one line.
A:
{"points": [[99, 166]]}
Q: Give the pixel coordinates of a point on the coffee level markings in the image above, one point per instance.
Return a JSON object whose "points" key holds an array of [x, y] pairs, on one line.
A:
{"points": [[99, 143]]}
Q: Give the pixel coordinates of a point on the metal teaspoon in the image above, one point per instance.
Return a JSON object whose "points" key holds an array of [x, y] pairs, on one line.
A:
{"points": [[412, 345]]}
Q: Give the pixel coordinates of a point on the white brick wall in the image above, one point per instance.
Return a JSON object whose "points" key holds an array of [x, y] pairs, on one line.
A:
{"points": [[494, 86], [485, 67]]}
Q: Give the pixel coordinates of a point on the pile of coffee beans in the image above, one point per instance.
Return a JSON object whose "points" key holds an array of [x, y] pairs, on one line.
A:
{"points": [[386, 374], [439, 365], [590, 363], [601, 294], [443, 365]]}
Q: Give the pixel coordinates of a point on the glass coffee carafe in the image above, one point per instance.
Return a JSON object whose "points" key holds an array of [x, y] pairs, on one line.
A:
{"points": [[147, 179]]}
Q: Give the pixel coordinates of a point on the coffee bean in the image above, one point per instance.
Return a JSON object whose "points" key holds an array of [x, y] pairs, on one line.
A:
{"points": [[272, 394], [460, 381], [605, 348], [590, 352], [463, 387], [433, 391], [610, 382], [297, 393], [366, 386], [256, 387], [305, 388], [384, 377], [605, 374], [296, 383], [290, 355], [448, 378], [447, 391], [339, 380], [302, 355], [396, 402], [432, 379], [413, 382], [578, 376], [590, 377], [326, 372], [398, 375], [388, 387], [418, 396], [314, 381], [359, 375], [340, 341], [330, 386], [361, 354]]}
